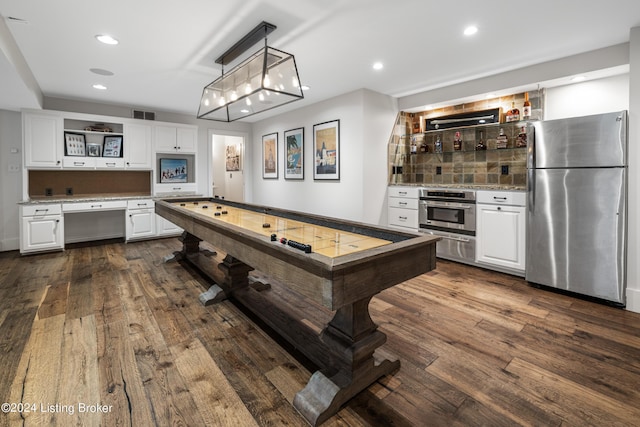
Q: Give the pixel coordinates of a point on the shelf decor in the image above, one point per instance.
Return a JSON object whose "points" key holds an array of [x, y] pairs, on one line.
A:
{"points": [[326, 149], [270, 156], [74, 144], [112, 146], [94, 149], [265, 80], [294, 154]]}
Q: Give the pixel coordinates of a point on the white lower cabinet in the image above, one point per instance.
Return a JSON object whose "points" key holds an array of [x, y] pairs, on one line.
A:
{"points": [[42, 228], [501, 229], [403, 208], [141, 219], [166, 228]]}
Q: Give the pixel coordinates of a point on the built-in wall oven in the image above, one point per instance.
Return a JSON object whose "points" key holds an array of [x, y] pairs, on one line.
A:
{"points": [[450, 214]]}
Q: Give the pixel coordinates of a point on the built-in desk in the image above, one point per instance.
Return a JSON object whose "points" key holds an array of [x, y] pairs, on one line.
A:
{"points": [[48, 224]]}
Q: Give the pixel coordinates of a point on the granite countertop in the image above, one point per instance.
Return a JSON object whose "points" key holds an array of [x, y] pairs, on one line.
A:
{"points": [[491, 187], [80, 198]]}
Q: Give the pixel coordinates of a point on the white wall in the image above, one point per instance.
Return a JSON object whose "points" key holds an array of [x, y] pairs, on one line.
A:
{"points": [[366, 121], [10, 182], [633, 271], [592, 97]]}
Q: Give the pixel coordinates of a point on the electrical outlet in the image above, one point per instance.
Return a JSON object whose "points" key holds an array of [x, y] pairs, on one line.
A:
{"points": [[505, 170], [14, 168], [48, 191], [69, 191], [438, 170]]}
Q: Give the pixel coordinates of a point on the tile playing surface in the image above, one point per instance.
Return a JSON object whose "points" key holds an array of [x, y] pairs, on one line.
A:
{"points": [[323, 240]]}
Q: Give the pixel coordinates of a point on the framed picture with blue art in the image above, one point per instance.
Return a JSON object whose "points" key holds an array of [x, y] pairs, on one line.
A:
{"points": [[294, 154], [173, 170], [326, 150]]}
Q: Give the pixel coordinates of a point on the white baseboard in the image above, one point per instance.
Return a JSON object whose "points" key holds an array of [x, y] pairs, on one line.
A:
{"points": [[633, 300]]}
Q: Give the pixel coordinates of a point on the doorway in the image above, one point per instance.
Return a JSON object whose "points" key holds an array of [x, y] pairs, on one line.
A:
{"points": [[226, 174]]}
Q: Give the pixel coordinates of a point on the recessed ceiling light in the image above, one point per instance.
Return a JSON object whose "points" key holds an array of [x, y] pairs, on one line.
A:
{"points": [[470, 30], [245, 111], [101, 71], [578, 78], [99, 87], [106, 39], [305, 87], [378, 65]]}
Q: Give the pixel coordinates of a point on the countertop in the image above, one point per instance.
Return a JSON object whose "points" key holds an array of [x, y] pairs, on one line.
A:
{"points": [[463, 186], [80, 198]]}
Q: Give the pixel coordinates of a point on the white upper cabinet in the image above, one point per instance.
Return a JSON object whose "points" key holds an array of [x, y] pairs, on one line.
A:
{"points": [[43, 144], [137, 152], [175, 139]]}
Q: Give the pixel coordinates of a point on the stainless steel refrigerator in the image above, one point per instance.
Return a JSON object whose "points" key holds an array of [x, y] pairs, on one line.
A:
{"points": [[577, 205]]}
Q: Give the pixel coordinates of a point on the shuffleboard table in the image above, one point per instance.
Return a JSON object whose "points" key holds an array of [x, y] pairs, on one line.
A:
{"points": [[338, 264]]}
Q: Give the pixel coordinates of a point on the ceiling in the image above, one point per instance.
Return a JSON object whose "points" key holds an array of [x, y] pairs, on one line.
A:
{"points": [[167, 49]]}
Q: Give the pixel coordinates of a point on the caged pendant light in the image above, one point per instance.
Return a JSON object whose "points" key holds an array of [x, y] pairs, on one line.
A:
{"points": [[265, 80]]}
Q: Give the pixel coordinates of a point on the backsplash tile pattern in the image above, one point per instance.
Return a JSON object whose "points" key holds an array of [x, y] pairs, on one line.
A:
{"points": [[493, 167]]}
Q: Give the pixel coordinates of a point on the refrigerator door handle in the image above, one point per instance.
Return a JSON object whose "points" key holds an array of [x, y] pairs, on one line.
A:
{"points": [[531, 189]]}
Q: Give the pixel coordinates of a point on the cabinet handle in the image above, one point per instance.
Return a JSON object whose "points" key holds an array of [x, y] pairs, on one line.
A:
{"points": [[177, 188], [142, 204], [111, 164], [404, 193], [402, 203], [128, 164], [78, 163], [96, 206], [499, 198], [57, 221], [499, 208], [58, 162], [42, 210], [402, 218]]}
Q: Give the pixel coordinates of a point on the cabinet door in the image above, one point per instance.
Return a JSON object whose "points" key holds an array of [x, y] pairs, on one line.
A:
{"points": [[43, 145], [140, 223], [501, 236], [166, 228], [186, 139], [165, 138], [137, 150], [42, 233]]}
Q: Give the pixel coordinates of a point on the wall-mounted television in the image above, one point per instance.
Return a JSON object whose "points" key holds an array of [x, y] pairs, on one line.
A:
{"points": [[173, 170]]}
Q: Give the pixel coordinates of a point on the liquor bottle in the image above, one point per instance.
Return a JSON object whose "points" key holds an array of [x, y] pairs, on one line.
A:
{"points": [[457, 142], [502, 140], [424, 148], [526, 109], [521, 140], [413, 147], [438, 145], [481, 145], [513, 115]]}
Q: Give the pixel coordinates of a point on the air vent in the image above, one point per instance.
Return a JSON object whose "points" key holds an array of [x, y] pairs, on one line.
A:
{"points": [[144, 115]]}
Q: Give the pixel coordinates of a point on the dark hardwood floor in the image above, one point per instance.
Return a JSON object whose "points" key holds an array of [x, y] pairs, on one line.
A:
{"points": [[110, 335]]}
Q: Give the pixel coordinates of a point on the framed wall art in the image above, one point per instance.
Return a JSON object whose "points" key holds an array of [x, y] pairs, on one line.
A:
{"points": [[173, 170], [94, 149], [112, 146], [270, 156], [326, 150], [74, 144], [232, 157], [294, 154]]}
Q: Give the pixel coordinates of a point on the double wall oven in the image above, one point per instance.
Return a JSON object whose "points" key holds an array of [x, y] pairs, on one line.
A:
{"points": [[450, 214]]}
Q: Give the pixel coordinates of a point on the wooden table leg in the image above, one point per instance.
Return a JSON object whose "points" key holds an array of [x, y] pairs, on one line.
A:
{"points": [[190, 248], [236, 276], [351, 337]]}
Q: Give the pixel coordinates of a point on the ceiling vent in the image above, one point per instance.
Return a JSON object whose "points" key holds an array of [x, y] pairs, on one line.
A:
{"points": [[144, 115]]}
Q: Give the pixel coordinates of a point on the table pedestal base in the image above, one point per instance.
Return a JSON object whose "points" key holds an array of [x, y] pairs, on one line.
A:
{"points": [[343, 350]]}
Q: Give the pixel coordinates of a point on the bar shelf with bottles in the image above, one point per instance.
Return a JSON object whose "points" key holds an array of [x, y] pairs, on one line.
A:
{"points": [[486, 137]]}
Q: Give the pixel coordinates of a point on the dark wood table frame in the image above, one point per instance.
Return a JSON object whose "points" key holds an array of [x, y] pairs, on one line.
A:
{"points": [[345, 284]]}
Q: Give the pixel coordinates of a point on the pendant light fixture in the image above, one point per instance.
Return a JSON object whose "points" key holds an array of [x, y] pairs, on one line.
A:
{"points": [[265, 80]]}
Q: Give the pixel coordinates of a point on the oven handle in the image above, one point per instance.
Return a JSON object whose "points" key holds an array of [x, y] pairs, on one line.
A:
{"points": [[455, 206], [455, 239]]}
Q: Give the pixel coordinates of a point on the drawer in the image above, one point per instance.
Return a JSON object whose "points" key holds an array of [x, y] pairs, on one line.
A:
{"points": [[408, 192], [41, 209], [79, 162], [94, 206], [140, 204], [513, 198], [403, 203], [403, 218], [177, 188], [109, 163]]}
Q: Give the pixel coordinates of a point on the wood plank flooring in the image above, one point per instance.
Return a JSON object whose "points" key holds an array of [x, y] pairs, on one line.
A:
{"points": [[110, 335]]}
